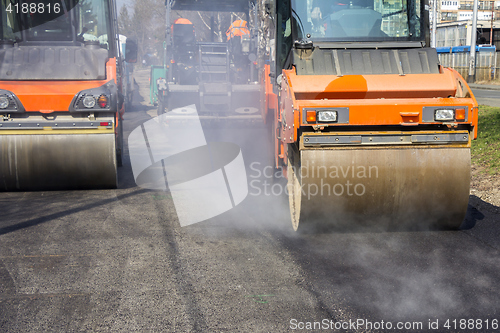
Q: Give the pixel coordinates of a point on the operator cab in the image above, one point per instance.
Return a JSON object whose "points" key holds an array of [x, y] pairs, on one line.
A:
{"points": [[358, 20], [339, 35]]}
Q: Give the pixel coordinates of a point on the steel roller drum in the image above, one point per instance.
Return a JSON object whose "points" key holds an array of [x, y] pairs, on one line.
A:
{"points": [[57, 161], [382, 188]]}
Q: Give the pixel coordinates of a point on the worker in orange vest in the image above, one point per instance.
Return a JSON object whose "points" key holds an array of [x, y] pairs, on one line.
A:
{"points": [[237, 28]]}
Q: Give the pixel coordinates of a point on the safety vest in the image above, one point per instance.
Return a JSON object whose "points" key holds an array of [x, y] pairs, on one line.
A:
{"points": [[237, 28]]}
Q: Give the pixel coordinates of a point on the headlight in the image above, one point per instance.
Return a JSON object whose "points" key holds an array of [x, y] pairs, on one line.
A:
{"points": [[4, 102], [89, 101], [444, 115], [100, 99], [327, 116], [9, 102]]}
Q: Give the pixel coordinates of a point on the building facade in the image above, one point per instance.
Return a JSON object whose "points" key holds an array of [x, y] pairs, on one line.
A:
{"points": [[460, 10]]}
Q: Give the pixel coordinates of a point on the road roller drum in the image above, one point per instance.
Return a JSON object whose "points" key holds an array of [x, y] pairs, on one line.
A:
{"points": [[57, 161], [390, 188]]}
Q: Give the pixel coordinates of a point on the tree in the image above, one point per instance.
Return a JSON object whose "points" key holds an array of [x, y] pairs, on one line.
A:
{"points": [[146, 25], [124, 22]]}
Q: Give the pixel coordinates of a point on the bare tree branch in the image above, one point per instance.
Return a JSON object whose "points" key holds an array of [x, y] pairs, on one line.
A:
{"points": [[203, 20]]}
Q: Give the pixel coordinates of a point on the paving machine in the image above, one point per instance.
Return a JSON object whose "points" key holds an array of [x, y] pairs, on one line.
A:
{"points": [[368, 127], [219, 77], [61, 96]]}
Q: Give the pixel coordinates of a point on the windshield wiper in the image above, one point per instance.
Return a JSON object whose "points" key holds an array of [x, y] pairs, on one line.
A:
{"points": [[300, 21]]}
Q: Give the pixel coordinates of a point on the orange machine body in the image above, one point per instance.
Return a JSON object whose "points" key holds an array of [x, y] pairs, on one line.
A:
{"points": [[376, 100], [54, 96], [375, 103]]}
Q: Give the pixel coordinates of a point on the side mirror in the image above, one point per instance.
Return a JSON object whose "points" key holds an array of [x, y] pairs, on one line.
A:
{"points": [[131, 50]]}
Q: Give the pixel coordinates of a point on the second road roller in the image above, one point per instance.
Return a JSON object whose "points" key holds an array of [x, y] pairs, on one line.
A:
{"points": [[61, 100], [367, 126]]}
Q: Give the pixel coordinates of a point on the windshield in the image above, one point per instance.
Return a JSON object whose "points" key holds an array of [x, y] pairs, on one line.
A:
{"points": [[358, 20], [55, 20]]}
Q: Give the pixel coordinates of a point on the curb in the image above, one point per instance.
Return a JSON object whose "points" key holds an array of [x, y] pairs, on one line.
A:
{"points": [[484, 86]]}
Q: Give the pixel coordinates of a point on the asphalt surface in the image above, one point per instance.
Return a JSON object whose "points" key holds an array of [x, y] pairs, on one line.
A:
{"points": [[486, 94], [118, 260]]}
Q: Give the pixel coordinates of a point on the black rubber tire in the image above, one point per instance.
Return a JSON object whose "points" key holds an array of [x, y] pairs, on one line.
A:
{"points": [[119, 143]]}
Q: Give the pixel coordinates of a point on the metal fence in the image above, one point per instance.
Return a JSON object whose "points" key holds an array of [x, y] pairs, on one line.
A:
{"points": [[487, 64]]}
